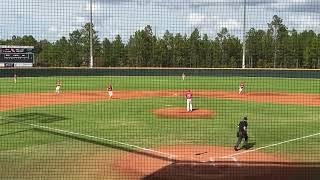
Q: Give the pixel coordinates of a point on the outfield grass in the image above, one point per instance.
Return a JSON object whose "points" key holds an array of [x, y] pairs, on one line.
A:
{"points": [[131, 121], [47, 84]]}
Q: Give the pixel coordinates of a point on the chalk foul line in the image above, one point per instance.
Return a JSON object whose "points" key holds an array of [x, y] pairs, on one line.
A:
{"points": [[271, 145], [169, 156]]}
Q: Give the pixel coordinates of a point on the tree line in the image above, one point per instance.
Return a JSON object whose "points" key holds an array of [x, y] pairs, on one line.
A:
{"points": [[276, 47]]}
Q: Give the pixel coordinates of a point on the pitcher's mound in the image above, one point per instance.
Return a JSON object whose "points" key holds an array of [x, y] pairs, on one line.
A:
{"points": [[182, 113]]}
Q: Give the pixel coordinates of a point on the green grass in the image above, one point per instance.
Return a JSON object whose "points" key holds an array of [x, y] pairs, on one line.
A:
{"points": [[135, 124], [131, 121], [47, 84]]}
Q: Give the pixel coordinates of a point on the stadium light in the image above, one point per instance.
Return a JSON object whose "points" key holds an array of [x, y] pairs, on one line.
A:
{"points": [[91, 36], [244, 36]]}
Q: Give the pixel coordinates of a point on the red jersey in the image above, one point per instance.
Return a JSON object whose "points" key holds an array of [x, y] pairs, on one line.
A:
{"points": [[109, 88], [189, 95], [241, 85]]}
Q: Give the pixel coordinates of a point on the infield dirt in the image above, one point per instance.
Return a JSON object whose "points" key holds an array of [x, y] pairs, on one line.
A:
{"points": [[14, 101]]}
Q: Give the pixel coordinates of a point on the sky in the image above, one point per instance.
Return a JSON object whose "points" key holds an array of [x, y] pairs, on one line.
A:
{"points": [[52, 19]]}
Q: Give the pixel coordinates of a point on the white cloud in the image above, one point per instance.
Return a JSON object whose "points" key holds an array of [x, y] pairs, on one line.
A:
{"points": [[53, 28], [292, 1], [80, 20], [96, 6], [230, 24], [304, 22], [53, 18], [196, 18]]}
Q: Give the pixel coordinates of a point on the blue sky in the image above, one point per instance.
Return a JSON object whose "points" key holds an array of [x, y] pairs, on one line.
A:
{"points": [[52, 19]]}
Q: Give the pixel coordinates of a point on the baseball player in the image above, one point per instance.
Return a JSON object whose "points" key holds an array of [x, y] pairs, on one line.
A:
{"points": [[242, 133], [189, 101], [15, 78], [183, 76], [58, 86], [241, 87], [110, 93]]}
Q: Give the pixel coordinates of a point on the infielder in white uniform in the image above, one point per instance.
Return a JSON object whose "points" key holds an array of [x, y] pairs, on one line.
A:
{"points": [[241, 87], [183, 76], [110, 93], [58, 86], [15, 78]]}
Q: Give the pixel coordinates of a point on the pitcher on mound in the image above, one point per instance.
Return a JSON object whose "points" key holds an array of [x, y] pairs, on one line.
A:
{"points": [[189, 101]]}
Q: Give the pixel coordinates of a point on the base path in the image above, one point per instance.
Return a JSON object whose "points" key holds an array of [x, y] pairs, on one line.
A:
{"points": [[270, 97], [14, 101]]}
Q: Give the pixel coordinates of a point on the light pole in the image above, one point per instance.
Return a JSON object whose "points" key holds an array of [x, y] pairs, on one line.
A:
{"points": [[91, 36], [275, 46], [244, 37]]}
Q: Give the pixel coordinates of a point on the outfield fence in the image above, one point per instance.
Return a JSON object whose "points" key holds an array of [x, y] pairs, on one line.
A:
{"points": [[45, 72]]}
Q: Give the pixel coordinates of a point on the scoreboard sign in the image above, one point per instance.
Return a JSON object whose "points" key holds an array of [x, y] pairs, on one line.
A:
{"points": [[16, 54]]}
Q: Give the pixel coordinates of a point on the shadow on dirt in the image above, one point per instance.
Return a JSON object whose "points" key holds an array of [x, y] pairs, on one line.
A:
{"points": [[242, 171]]}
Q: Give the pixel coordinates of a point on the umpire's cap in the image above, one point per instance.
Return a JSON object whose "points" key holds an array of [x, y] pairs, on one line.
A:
{"points": [[245, 117]]}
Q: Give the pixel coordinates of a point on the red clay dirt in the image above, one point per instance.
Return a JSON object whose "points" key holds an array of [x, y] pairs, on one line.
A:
{"points": [[195, 162], [14, 101], [178, 112], [8, 102], [270, 97]]}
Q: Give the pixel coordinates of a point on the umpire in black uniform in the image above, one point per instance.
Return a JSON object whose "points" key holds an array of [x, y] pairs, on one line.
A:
{"points": [[242, 133]]}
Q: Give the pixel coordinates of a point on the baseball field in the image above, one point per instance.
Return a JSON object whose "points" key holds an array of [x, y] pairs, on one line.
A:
{"points": [[143, 132]]}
